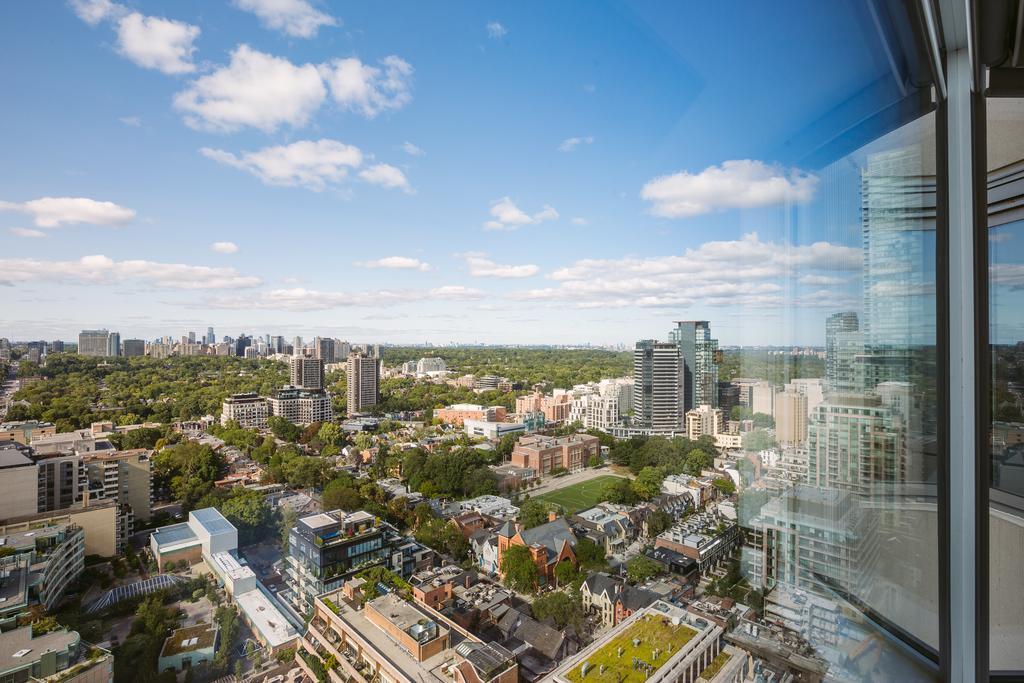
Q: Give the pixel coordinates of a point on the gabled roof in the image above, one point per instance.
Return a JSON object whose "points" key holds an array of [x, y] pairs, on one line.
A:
{"points": [[551, 536], [508, 530], [599, 582], [543, 639]]}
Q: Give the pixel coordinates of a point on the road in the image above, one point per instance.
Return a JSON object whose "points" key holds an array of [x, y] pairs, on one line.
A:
{"points": [[554, 483]]}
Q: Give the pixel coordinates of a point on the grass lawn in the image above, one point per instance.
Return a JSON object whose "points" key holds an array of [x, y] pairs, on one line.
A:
{"points": [[578, 497], [653, 632]]}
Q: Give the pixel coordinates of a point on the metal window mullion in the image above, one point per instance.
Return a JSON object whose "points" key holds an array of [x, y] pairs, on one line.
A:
{"points": [[963, 429]]}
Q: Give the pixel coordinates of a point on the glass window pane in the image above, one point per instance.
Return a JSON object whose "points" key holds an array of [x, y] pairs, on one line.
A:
{"points": [[1005, 129]]}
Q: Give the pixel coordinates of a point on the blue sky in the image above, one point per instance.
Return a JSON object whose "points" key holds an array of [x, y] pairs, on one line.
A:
{"points": [[406, 172]]}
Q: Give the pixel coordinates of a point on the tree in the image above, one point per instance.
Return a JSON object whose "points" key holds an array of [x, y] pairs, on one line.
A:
{"points": [[567, 574], [647, 484], [329, 434], [658, 521], [283, 429], [518, 569], [758, 440], [287, 520], [618, 490], [565, 608], [532, 513], [248, 511], [342, 494], [506, 445], [595, 461], [590, 555], [725, 485], [641, 568]]}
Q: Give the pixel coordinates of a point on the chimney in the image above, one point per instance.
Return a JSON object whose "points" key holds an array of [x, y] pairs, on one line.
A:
{"points": [[552, 515]]}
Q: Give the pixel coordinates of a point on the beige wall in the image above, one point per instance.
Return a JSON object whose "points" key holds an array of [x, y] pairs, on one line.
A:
{"points": [[99, 524], [19, 492]]}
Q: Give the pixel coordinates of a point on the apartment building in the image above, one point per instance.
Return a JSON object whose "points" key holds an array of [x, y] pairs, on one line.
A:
{"points": [[704, 421], [306, 373], [59, 655], [790, 417], [363, 375], [658, 395], [93, 342], [248, 410], [122, 476], [324, 549], [458, 413], [396, 640], [41, 562], [545, 453], [301, 406], [25, 431]]}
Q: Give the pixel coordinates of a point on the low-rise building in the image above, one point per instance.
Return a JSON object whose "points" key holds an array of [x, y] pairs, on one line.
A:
{"points": [[391, 639], [492, 430], [548, 544], [612, 599], [25, 431], [59, 654], [188, 647], [607, 525], [545, 453], [665, 642], [301, 406], [458, 413], [704, 537], [39, 565]]}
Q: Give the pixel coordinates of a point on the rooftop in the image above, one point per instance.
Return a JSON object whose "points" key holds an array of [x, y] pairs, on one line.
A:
{"points": [[266, 617], [18, 649], [655, 636], [190, 639], [211, 520], [174, 535]]}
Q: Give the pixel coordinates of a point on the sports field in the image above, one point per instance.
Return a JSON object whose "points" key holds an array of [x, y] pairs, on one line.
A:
{"points": [[578, 497]]}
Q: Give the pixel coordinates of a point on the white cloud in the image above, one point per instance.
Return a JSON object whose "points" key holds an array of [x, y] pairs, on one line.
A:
{"points": [[737, 184], [481, 266], [133, 121], [569, 144], [157, 43], [93, 12], [579, 220], [369, 90], [302, 299], [224, 247], [52, 212], [103, 270], [296, 18], [495, 30], [386, 175], [256, 89], [743, 272], [507, 216], [821, 280], [27, 232], [307, 163], [396, 262], [412, 150]]}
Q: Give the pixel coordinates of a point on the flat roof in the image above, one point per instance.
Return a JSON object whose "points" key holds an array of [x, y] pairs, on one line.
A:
{"points": [[20, 639], [174, 536], [190, 639], [211, 520], [230, 566], [265, 617], [318, 521]]}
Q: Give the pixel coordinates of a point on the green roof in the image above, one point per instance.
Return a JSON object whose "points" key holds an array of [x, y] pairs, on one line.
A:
{"points": [[653, 631]]}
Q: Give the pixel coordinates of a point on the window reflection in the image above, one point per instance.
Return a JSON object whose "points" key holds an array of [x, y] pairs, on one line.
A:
{"points": [[1005, 129]]}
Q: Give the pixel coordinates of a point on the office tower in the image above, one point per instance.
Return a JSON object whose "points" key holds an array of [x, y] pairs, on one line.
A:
{"points": [[700, 362], [728, 397], [843, 345], [297, 346], [93, 342], [56, 346], [855, 443], [211, 338], [323, 348], [307, 373], [658, 386], [341, 349], [277, 344], [191, 337], [363, 374], [114, 344], [134, 347], [241, 344], [790, 417]]}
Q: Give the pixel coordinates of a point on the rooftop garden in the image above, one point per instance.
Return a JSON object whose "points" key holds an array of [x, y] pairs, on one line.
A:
{"points": [[634, 655], [715, 666]]}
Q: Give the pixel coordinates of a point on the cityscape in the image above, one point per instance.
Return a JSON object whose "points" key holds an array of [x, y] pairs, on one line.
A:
{"points": [[545, 343]]}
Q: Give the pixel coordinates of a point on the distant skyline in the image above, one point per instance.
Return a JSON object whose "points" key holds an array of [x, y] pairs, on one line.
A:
{"points": [[534, 173]]}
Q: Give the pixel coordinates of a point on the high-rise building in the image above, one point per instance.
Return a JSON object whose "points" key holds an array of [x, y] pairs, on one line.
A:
{"points": [[855, 443], [277, 344], [704, 421], [790, 417], [307, 373], [363, 374], [301, 406], [700, 362], [114, 344], [843, 345], [658, 386], [134, 347], [56, 346], [297, 346], [242, 343], [191, 337], [93, 342], [211, 338], [323, 348]]}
